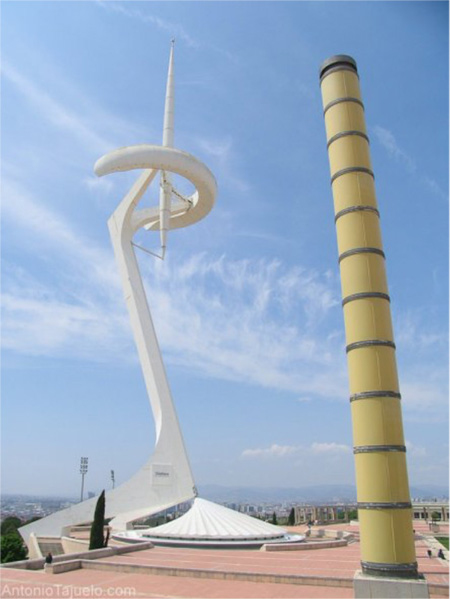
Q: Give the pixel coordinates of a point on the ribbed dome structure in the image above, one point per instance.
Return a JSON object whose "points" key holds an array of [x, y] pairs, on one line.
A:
{"points": [[209, 521]]}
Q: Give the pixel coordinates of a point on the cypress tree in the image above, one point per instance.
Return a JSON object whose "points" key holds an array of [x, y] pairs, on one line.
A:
{"points": [[274, 519], [291, 519], [96, 540]]}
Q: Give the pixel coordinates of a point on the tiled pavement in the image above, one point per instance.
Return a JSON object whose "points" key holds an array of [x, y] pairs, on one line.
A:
{"points": [[339, 563], [117, 586]]}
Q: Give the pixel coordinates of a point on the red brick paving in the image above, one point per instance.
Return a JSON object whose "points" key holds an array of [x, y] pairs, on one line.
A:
{"points": [[148, 586], [339, 562]]}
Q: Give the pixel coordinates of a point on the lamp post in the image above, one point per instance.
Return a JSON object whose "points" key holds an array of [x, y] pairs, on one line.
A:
{"points": [[83, 471], [112, 478]]}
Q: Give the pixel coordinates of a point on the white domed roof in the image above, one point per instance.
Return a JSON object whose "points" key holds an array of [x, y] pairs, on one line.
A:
{"points": [[208, 520]]}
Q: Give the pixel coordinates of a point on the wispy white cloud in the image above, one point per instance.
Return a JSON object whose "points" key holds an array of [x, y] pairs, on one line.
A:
{"points": [[329, 448], [93, 129], [274, 450], [235, 325], [101, 185], [47, 230], [218, 148], [222, 156], [237, 317], [387, 139], [77, 314], [252, 321], [414, 333], [434, 187], [285, 451], [55, 112], [415, 451], [425, 390], [171, 28], [45, 324]]}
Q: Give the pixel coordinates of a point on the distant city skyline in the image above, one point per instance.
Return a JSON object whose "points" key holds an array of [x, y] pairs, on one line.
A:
{"points": [[247, 304]]}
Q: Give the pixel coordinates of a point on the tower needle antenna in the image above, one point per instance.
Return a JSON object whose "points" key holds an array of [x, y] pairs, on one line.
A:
{"points": [[165, 193]]}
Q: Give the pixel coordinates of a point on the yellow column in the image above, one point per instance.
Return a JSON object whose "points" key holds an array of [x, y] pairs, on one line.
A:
{"points": [[384, 505]]}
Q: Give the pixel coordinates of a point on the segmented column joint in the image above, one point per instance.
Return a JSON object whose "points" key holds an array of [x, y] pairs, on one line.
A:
{"points": [[381, 505], [337, 68], [346, 134], [378, 448], [364, 250], [370, 343], [352, 169], [365, 295], [351, 209], [372, 394], [343, 99]]}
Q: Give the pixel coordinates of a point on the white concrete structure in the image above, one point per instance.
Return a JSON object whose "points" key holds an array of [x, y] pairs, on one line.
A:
{"points": [[208, 524], [166, 479]]}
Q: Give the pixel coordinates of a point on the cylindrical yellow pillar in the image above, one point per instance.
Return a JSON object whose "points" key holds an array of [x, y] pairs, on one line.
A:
{"points": [[384, 505]]}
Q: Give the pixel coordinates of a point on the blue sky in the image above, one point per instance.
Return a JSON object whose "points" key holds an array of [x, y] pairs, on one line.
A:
{"points": [[247, 303]]}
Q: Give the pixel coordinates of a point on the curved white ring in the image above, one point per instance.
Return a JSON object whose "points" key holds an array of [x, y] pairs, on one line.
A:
{"points": [[146, 156]]}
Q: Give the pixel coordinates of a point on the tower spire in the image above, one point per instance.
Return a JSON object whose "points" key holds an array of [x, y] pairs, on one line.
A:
{"points": [[168, 129], [165, 192]]}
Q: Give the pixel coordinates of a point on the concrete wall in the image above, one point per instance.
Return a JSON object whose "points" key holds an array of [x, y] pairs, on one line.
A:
{"points": [[38, 564], [71, 545]]}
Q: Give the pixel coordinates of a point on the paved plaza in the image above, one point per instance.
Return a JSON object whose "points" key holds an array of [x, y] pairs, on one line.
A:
{"points": [[201, 573]]}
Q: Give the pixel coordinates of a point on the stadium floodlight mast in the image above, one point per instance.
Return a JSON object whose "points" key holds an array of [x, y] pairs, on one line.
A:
{"points": [[83, 472]]}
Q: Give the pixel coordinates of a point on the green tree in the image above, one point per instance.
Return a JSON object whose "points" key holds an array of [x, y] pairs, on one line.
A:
{"points": [[435, 516], [274, 518], [97, 541], [12, 548], [10, 524], [291, 518]]}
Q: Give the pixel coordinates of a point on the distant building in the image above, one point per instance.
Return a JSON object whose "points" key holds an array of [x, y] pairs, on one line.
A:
{"points": [[424, 510]]}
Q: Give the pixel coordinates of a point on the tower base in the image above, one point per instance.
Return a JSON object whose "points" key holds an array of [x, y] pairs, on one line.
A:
{"points": [[375, 587]]}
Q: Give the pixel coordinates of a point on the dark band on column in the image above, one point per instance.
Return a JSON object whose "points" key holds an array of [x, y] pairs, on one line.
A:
{"points": [[346, 134], [365, 295], [352, 169], [339, 100], [338, 68], [405, 570], [364, 250], [381, 505], [351, 209], [375, 394], [378, 448], [369, 343], [337, 62]]}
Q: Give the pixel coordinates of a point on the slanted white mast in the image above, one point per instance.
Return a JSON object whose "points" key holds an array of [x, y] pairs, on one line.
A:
{"points": [[165, 192], [166, 479], [168, 128]]}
